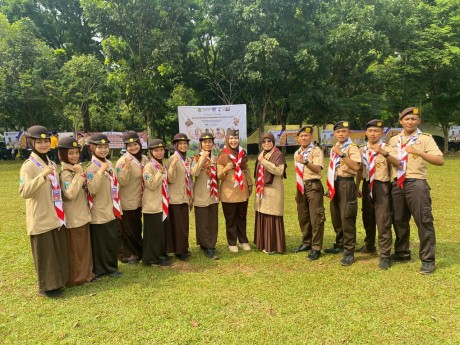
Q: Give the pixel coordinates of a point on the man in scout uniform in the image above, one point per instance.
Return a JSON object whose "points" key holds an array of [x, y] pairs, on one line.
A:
{"points": [[375, 175], [411, 192], [309, 161], [344, 162]]}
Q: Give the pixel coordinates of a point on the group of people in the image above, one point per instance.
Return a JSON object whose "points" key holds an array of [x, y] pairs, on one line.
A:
{"points": [[82, 223]]}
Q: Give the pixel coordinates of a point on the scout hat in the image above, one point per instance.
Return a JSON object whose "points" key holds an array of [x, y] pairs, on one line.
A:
{"points": [[232, 132], [38, 132], [306, 129], [409, 111], [342, 124], [206, 135], [98, 139], [374, 123], [156, 143], [130, 137], [68, 143], [180, 137]]}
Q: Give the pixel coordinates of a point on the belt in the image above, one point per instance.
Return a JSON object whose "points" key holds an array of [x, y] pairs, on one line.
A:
{"points": [[312, 180], [407, 180], [341, 178]]}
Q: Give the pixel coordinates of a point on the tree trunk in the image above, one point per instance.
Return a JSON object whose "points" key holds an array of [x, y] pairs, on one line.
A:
{"points": [[84, 108], [148, 120], [445, 130]]}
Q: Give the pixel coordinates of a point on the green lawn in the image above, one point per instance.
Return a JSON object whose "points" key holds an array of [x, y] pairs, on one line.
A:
{"points": [[245, 298]]}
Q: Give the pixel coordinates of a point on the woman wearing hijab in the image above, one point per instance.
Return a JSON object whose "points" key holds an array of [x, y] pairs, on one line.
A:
{"points": [[206, 196], [77, 213], [180, 194], [39, 185], [129, 174], [104, 200], [269, 199], [235, 189]]}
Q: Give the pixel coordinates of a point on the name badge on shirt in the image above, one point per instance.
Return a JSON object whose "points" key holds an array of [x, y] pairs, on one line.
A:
{"points": [[56, 195], [114, 193]]}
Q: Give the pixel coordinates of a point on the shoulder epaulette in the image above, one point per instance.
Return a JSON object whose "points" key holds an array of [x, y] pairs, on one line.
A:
{"points": [[427, 134], [353, 144]]}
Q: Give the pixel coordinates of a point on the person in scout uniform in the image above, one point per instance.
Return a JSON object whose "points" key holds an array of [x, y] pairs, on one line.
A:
{"points": [[269, 172], [235, 189], [104, 201], [39, 185], [206, 196], [129, 173], [155, 204], [411, 192], [309, 162], [376, 206], [180, 194], [77, 213], [343, 165]]}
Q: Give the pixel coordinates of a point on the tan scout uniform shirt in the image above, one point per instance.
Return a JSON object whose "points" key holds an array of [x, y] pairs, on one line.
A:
{"points": [[101, 190], [315, 157], [227, 191], [272, 202], [201, 190], [130, 179], [352, 151], [382, 169], [76, 207], [152, 199], [40, 213], [176, 179], [416, 166]]}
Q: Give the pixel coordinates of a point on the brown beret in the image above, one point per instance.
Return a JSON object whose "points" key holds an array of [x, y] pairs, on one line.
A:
{"points": [[342, 124], [409, 111], [374, 123], [306, 129]]}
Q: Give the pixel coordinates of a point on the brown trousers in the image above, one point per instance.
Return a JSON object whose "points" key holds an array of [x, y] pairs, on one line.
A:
{"points": [[310, 211], [130, 235], [376, 212], [413, 200], [206, 224], [235, 221], [80, 255], [178, 228], [344, 209]]}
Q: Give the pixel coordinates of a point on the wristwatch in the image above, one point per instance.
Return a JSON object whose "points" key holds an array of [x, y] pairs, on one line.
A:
{"points": [[386, 155]]}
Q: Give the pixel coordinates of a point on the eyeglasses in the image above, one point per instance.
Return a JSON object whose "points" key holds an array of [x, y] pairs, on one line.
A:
{"points": [[266, 141]]}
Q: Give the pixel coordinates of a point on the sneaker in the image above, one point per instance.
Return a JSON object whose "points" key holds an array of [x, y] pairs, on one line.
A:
{"points": [[116, 274], [347, 260], [400, 257], [384, 263], [365, 249], [133, 261], [245, 246], [184, 256], [211, 253], [427, 267], [233, 249], [336, 249], [314, 255], [269, 253]]}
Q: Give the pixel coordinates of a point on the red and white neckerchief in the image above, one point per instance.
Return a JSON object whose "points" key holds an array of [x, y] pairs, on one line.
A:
{"points": [[56, 195], [188, 179], [115, 189], [402, 155], [237, 162], [212, 179], [141, 167], [164, 188], [260, 184], [334, 162], [299, 167], [369, 158]]}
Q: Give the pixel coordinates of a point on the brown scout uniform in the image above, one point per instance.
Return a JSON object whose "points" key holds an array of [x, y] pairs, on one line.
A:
{"points": [[310, 205]]}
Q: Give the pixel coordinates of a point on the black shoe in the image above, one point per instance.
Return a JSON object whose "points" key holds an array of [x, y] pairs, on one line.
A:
{"points": [[384, 263], [211, 253], [165, 263], [365, 249], [427, 267], [347, 260], [314, 255], [133, 261], [334, 250], [399, 257], [56, 293], [302, 248], [184, 256], [116, 274]]}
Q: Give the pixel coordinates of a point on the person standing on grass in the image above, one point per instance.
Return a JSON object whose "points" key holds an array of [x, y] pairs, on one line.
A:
{"points": [[104, 200], [155, 207], [206, 196], [309, 162], [269, 172], [39, 185], [235, 189], [411, 192], [129, 173], [343, 165], [77, 213], [376, 206], [180, 194]]}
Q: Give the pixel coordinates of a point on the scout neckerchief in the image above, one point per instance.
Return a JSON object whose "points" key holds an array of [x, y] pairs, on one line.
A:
{"points": [[114, 186], [141, 167], [260, 184], [237, 162], [402, 155], [300, 166], [187, 173], [212, 178], [56, 196], [164, 188], [369, 158], [334, 162]]}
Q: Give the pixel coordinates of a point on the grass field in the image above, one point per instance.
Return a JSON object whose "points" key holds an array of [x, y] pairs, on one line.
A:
{"points": [[243, 298]]}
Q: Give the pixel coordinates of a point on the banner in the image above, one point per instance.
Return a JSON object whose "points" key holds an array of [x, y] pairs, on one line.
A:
{"points": [[116, 139], [357, 136], [454, 134], [285, 138], [195, 120]]}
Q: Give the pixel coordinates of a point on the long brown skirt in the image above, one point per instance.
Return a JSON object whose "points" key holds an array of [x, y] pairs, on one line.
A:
{"points": [[155, 229], [269, 233], [104, 243], [178, 229], [51, 259], [130, 235], [206, 223], [80, 255]]}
